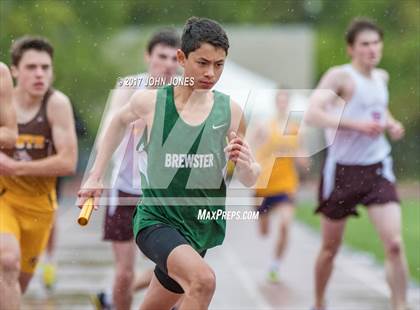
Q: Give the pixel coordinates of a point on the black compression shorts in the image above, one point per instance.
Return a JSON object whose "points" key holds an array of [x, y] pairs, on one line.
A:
{"points": [[157, 242]]}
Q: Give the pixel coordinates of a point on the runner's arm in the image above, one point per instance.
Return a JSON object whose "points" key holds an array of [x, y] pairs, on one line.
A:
{"points": [[63, 162], [395, 128], [120, 95], [8, 125], [327, 93], [238, 149], [390, 118], [139, 106]]}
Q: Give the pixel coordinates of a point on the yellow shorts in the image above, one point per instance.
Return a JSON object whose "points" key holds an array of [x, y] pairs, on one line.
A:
{"points": [[29, 219]]}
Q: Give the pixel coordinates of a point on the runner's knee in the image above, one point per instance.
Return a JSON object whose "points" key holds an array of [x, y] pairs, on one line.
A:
{"points": [[203, 282], [264, 230], [394, 248], [124, 276], [330, 250], [9, 262], [285, 228], [263, 224]]}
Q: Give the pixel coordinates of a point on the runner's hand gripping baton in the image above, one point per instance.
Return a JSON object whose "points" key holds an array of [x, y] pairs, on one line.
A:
{"points": [[85, 213]]}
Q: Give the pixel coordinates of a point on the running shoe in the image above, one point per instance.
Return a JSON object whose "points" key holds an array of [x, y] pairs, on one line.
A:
{"points": [[273, 275], [49, 276], [101, 301]]}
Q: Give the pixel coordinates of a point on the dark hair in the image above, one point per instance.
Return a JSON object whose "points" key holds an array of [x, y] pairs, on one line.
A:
{"points": [[358, 25], [21, 45], [203, 30], [166, 36]]}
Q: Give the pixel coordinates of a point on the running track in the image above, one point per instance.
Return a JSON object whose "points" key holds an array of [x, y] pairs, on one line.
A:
{"points": [[85, 266]]}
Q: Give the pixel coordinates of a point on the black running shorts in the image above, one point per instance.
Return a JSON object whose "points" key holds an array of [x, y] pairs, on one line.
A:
{"points": [[157, 242]]}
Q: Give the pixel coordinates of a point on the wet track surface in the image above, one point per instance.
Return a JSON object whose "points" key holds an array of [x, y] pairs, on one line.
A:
{"points": [[86, 266]]}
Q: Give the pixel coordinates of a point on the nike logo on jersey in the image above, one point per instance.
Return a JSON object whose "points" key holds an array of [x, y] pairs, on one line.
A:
{"points": [[219, 126]]}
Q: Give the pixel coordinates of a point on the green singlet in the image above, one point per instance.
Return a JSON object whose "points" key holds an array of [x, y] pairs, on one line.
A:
{"points": [[182, 172]]}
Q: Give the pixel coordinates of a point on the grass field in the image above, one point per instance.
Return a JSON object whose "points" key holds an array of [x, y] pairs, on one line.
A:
{"points": [[361, 235]]}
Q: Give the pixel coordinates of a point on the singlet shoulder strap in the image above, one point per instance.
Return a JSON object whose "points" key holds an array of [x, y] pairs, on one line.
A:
{"points": [[156, 132], [349, 69], [222, 109], [47, 96]]}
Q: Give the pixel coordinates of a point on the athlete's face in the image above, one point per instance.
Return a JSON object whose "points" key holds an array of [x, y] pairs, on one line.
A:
{"points": [[162, 61], [205, 65], [367, 48], [34, 72]]}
